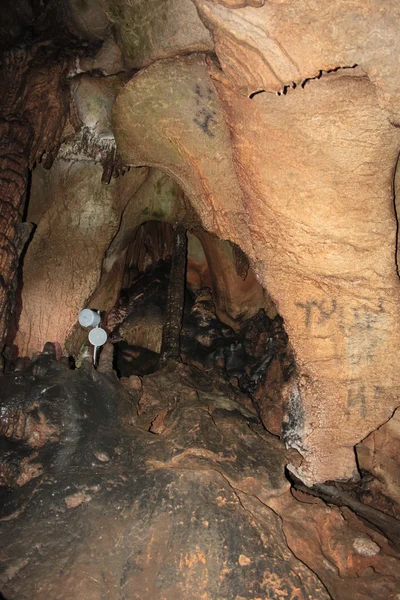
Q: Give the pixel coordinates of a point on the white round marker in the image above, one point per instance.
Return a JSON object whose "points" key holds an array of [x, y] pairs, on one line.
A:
{"points": [[97, 337], [89, 318]]}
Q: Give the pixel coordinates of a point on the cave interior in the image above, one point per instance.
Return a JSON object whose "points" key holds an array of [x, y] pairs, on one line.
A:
{"points": [[215, 183]]}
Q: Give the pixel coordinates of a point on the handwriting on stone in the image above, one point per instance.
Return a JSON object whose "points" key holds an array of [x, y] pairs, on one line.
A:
{"points": [[363, 326], [356, 399], [321, 310], [365, 331], [205, 115]]}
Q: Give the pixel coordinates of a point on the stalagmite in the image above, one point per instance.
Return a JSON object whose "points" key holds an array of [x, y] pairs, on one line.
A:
{"points": [[170, 349]]}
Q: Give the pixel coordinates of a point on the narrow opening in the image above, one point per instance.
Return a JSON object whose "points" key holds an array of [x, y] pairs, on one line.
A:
{"points": [[230, 327], [396, 196]]}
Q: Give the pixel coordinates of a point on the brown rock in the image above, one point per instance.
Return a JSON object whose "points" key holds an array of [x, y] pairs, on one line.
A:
{"points": [[198, 154], [379, 454], [77, 499], [155, 196], [108, 59], [63, 262], [322, 224], [204, 504], [279, 45], [236, 295], [148, 30], [133, 382], [339, 297], [268, 397], [144, 330], [106, 359], [89, 18], [342, 551]]}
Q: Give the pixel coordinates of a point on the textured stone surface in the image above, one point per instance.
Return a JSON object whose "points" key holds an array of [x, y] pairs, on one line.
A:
{"points": [[318, 183], [171, 507], [177, 492], [89, 19], [281, 43], [157, 197], [62, 265], [169, 492], [379, 454], [108, 60], [94, 98], [168, 116], [343, 550], [236, 292], [34, 108], [315, 177], [148, 30]]}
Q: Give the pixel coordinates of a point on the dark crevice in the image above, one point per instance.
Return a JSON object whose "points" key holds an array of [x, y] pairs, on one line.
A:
{"points": [[331, 493], [323, 72], [396, 174], [293, 85], [255, 94]]}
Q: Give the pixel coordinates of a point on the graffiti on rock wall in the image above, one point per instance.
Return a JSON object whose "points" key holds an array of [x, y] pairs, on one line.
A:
{"points": [[359, 397], [356, 399], [364, 333], [363, 327], [205, 115], [317, 311]]}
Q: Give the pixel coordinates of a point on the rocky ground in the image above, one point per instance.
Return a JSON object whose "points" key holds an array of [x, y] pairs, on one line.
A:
{"points": [[164, 487]]}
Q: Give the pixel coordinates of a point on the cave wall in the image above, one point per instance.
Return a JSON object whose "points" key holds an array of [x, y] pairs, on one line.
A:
{"points": [[321, 194], [277, 125], [308, 178], [77, 217], [84, 230], [236, 292]]}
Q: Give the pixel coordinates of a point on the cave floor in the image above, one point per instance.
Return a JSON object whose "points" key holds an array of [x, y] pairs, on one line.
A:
{"points": [[164, 487]]}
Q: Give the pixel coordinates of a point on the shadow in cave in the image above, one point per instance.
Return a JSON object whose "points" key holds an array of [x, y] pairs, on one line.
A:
{"points": [[27, 231], [247, 348]]}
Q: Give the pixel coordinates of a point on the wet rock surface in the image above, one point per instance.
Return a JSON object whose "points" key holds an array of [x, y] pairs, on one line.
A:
{"points": [[172, 490]]}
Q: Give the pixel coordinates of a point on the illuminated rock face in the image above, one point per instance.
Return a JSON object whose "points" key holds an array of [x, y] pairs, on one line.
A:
{"points": [[303, 182], [317, 174], [286, 145], [77, 217]]}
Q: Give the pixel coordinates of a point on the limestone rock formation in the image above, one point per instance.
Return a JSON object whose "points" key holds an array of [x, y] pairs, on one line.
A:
{"points": [[379, 455], [326, 260], [149, 30], [63, 263], [262, 460], [173, 109], [277, 45]]}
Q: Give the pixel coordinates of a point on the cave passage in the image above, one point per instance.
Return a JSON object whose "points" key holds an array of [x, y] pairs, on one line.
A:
{"points": [[254, 355], [220, 180]]}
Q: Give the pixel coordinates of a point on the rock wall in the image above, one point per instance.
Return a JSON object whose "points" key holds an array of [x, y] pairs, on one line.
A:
{"points": [[237, 295], [318, 183], [77, 217], [279, 123], [280, 44], [308, 177]]}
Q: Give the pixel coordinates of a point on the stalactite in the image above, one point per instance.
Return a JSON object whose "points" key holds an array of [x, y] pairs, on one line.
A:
{"points": [[170, 347]]}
